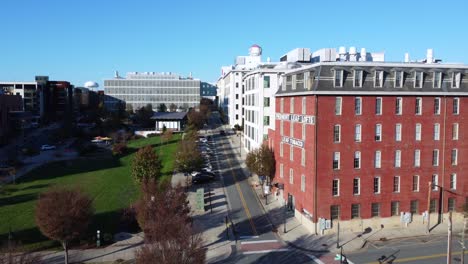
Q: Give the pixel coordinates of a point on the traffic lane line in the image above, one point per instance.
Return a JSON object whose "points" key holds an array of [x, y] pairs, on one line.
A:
{"points": [[402, 260], [266, 251], [259, 241]]}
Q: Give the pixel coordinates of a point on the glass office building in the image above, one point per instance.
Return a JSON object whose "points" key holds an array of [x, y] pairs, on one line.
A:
{"points": [[140, 89]]}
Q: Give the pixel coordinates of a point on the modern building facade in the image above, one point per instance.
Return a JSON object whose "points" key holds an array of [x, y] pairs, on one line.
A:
{"points": [[140, 89], [28, 91], [8, 104], [369, 143]]}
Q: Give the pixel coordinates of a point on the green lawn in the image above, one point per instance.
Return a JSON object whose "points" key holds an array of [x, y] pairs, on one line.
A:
{"points": [[106, 179]]}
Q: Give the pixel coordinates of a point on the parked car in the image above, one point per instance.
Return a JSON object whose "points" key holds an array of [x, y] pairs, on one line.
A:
{"points": [[48, 147], [222, 133], [203, 171], [202, 178]]}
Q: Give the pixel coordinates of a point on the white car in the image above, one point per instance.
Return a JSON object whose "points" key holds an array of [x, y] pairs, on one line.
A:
{"points": [[48, 147]]}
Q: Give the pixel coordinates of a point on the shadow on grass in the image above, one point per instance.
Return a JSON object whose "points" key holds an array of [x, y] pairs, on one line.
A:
{"points": [[11, 200]]}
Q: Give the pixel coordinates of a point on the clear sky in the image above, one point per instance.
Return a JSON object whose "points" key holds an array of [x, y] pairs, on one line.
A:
{"points": [[81, 40]]}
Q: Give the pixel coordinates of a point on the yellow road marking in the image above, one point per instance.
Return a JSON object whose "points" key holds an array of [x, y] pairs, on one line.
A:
{"points": [[419, 258]]}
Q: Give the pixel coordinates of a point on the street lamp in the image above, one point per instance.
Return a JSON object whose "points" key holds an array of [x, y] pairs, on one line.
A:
{"points": [[284, 216]]}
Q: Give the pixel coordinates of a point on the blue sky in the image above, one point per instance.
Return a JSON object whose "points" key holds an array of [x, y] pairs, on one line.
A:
{"points": [[81, 40]]}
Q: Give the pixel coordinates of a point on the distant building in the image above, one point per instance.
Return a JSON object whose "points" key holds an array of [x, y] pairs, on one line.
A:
{"points": [[28, 91], [140, 89], [8, 104], [210, 91]]}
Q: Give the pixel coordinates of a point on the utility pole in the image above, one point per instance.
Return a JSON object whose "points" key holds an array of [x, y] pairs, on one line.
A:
{"points": [[449, 239], [462, 242], [429, 190]]}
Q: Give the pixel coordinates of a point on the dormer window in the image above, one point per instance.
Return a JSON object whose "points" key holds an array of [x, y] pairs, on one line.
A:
{"points": [[437, 80], [418, 79], [456, 78], [378, 79], [338, 78], [310, 80], [358, 78], [398, 79]]}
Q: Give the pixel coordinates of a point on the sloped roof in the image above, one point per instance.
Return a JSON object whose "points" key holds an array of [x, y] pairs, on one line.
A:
{"points": [[169, 115]]}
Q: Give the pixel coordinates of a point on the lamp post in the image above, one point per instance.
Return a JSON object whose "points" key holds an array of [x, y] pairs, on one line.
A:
{"points": [[284, 216]]}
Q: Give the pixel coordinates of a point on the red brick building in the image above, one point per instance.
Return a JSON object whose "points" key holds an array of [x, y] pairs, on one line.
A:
{"points": [[359, 142]]}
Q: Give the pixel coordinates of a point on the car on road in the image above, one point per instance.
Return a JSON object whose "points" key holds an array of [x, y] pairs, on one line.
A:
{"points": [[203, 171], [222, 133], [202, 178], [48, 147]]}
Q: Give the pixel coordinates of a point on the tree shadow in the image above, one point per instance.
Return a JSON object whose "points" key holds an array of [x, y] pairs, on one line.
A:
{"points": [[16, 199]]}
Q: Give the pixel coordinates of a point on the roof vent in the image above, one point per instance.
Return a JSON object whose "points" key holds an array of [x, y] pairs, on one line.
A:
{"points": [[407, 59], [430, 56]]}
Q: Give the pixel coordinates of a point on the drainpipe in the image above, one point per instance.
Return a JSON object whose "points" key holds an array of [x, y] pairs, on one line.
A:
{"points": [[442, 194], [315, 164]]}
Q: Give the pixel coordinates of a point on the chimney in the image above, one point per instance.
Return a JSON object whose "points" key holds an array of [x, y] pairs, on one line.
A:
{"points": [[430, 56]]}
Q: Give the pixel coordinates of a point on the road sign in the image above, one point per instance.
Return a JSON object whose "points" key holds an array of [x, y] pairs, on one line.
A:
{"points": [[200, 198]]}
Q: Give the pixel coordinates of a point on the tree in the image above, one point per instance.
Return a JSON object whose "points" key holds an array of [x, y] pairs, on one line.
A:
{"points": [[143, 116], [162, 108], [146, 165], [167, 135], [63, 215], [196, 119], [262, 162], [188, 158], [172, 107]]}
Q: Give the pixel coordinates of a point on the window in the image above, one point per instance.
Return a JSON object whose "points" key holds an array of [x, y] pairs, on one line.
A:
{"points": [[415, 183], [357, 105], [355, 211], [418, 79], [338, 78], [397, 158], [378, 79], [282, 127], [338, 105], [378, 105], [454, 156], [437, 81], [376, 185], [336, 133], [237, 85], [281, 170], [375, 210], [418, 106], [455, 131], [398, 79], [435, 182], [456, 78], [357, 160], [266, 120], [237, 106], [418, 132], [266, 81], [291, 106], [303, 157], [453, 181], [399, 106], [336, 160], [378, 159], [417, 158], [436, 131], [334, 212], [237, 117], [291, 153], [395, 208], [435, 157], [303, 179], [281, 149], [397, 132], [336, 187], [291, 176], [304, 105], [451, 204], [266, 101], [378, 132], [357, 133], [396, 184], [437, 106], [282, 105], [414, 207], [433, 206], [358, 74], [356, 186], [456, 106], [237, 96]]}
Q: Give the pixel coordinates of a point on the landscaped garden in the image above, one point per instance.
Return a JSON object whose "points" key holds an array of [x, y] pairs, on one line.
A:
{"points": [[107, 179]]}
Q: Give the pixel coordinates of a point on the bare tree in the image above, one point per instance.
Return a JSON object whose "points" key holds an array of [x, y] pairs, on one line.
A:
{"points": [[167, 135], [146, 165], [262, 162], [188, 158], [172, 107], [196, 119], [63, 215]]}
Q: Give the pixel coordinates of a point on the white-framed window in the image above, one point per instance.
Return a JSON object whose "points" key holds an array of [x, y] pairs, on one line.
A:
{"points": [[436, 131], [396, 184], [435, 157], [291, 153], [455, 131], [437, 106], [358, 106], [378, 132], [336, 187], [357, 132], [291, 105], [415, 183], [338, 101], [358, 75], [281, 127], [336, 133], [378, 79], [303, 131], [456, 78], [376, 185], [281, 149], [281, 170], [454, 157], [378, 159], [356, 186], [397, 158], [303, 186], [336, 160], [418, 79], [456, 106], [378, 106], [399, 75], [435, 182], [397, 132], [437, 80], [291, 176], [282, 105], [417, 134], [453, 181], [399, 106], [357, 160], [303, 157], [418, 106], [417, 158], [338, 78], [304, 105]]}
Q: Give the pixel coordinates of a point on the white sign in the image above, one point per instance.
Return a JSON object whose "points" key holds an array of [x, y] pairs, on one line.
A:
{"points": [[266, 189], [292, 141], [306, 119]]}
